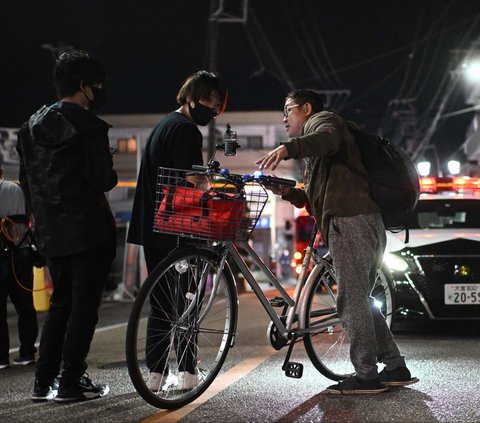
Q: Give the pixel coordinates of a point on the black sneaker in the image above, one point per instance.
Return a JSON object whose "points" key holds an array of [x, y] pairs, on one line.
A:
{"points": [[353, 385], [44, 391], [23, 361], [4, 365], [84, 389], [397, 377]]}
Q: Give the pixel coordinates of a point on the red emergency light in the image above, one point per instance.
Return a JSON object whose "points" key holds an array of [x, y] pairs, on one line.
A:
{"points": [[458, 184]]}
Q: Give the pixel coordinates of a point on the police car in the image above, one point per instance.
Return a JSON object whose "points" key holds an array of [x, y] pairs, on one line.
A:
{"points": [[436, 275]]}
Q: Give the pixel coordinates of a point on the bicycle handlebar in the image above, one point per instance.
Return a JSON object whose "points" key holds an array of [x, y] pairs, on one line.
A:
{"points": [[259, 177], [274, 180]]}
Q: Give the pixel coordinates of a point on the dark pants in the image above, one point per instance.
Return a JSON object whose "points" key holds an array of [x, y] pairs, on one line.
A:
{"points": [[78, 283], [22, 299], [167, 299]]}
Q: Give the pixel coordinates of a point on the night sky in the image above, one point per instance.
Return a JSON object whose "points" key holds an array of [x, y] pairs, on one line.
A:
{"points": [[379, 50]]}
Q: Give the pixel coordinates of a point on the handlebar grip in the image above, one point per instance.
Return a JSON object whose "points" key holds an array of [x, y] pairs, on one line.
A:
{"points": [[278, 181]]}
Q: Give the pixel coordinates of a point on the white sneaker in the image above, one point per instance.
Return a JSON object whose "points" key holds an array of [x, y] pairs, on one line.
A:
{"points": [[158, 381], [187, 380]]}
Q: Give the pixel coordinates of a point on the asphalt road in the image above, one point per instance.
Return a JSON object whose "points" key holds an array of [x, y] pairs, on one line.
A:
{"points": [[253, 387]]}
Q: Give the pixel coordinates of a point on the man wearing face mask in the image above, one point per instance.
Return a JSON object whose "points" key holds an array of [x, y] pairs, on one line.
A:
{"points": [[65, 170], [176, 142]]}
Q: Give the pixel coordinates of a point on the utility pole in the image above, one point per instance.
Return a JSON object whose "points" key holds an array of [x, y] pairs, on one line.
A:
{"points": [[218, 15], [334, 99], [405, 113], [455, 77]]}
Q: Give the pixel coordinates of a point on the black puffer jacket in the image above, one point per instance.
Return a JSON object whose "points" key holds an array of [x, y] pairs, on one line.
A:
{"points": [[65, 169]]}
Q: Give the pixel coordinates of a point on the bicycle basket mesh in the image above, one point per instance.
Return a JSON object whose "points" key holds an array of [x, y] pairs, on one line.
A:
{"points": [[195, 205]]}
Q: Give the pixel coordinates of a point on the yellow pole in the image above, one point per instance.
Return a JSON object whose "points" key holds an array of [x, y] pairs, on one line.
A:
{"points": [[41, 299]]}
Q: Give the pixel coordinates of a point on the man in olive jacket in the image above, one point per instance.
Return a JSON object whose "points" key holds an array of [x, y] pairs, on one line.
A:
{"points": [[351, 225], [65, 169]]}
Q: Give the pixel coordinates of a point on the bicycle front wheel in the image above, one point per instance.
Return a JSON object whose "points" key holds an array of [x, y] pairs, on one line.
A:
{"points": [[327, 343], [181, 327]]}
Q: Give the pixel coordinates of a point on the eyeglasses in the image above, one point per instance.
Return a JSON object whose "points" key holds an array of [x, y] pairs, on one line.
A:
{"points": [[288, 109]]}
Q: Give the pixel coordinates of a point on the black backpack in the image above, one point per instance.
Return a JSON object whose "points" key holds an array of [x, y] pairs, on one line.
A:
{"points": [[392, 177]]}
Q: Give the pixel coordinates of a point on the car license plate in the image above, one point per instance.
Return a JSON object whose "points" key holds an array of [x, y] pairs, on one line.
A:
{"points": [[462, 294]]}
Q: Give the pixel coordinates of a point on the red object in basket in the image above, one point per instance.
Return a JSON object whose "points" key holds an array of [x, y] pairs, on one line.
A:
{"points": [[204, 214]]}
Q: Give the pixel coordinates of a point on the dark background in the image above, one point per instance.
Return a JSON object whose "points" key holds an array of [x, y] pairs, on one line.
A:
{"points": [[379, 50]]}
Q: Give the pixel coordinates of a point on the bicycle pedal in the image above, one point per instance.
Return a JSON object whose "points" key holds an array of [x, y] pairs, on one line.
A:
{"points": [[294, 370], [278, 302]]}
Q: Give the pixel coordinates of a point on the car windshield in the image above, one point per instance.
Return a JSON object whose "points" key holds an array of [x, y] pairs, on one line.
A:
{"points": [[446, 214]]}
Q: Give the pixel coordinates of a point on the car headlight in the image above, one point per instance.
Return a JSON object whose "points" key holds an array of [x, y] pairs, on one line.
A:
{"points": [[394, 262]]}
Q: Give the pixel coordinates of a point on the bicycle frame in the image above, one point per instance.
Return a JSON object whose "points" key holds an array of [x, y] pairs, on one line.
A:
{"points": [[295, 306], [283, 328]]}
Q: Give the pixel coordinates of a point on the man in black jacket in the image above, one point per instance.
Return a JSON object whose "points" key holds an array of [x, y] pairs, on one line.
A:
{"points": [[65, 170], [175, 142]]}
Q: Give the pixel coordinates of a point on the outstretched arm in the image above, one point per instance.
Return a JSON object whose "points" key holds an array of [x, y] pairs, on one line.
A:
{"points": [[273, 158]]}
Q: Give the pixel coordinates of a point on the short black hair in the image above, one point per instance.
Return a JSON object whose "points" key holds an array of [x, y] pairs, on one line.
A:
{"points": [[200, 85], [73, 67], [306, 95]]}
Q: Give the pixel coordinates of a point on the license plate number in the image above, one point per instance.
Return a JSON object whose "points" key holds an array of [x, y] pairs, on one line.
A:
{"points": [[462, 294]]}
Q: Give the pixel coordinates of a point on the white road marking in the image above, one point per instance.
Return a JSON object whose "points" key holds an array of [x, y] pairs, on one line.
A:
{"points": [[219, 384]]}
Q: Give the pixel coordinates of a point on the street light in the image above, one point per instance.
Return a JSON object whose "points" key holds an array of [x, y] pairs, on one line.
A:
{"points": [[472, 70], [424, 168], [453, 167]]}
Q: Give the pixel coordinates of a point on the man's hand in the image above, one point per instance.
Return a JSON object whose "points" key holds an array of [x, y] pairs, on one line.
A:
{"points": [[273, 158]]}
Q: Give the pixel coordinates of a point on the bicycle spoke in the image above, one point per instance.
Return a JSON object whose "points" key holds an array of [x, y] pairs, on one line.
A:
{"points": [[327, 342], [165, 333]]}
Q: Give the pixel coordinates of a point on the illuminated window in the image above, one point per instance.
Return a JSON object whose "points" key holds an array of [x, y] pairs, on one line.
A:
{"points": [[127, 145]]}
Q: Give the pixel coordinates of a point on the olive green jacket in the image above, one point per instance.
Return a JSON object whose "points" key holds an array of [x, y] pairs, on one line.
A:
{"points": [[331, 187]]}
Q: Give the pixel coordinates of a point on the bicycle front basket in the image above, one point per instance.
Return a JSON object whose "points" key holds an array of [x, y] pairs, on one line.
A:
{"points": [[220, 212]]}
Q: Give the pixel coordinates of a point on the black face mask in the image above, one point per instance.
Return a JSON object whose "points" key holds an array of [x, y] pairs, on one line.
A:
{"points": [[201, 114], [99, 98]]}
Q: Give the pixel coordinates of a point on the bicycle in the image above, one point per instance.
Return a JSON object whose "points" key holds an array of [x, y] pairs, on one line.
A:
{"points": [[197, 288]]}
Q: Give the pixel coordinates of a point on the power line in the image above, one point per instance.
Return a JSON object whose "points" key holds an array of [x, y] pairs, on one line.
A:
{"points": [[449, 90], [399, 49]]}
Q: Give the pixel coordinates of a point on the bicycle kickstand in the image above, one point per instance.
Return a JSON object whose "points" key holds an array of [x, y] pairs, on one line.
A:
{"points": [[291, 368]]}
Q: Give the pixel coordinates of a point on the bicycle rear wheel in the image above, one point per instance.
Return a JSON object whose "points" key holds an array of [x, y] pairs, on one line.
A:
{"points": [[181, 327], [328, 346]]}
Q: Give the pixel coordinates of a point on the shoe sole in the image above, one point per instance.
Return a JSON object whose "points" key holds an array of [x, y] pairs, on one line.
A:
{"points": [[49, 397], [40, 399], [398, 384], [355, 391], [23, 363], [85, 396]]}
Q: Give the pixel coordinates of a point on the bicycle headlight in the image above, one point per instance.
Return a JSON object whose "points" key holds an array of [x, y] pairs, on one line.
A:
{"points": [[395, 263]]}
